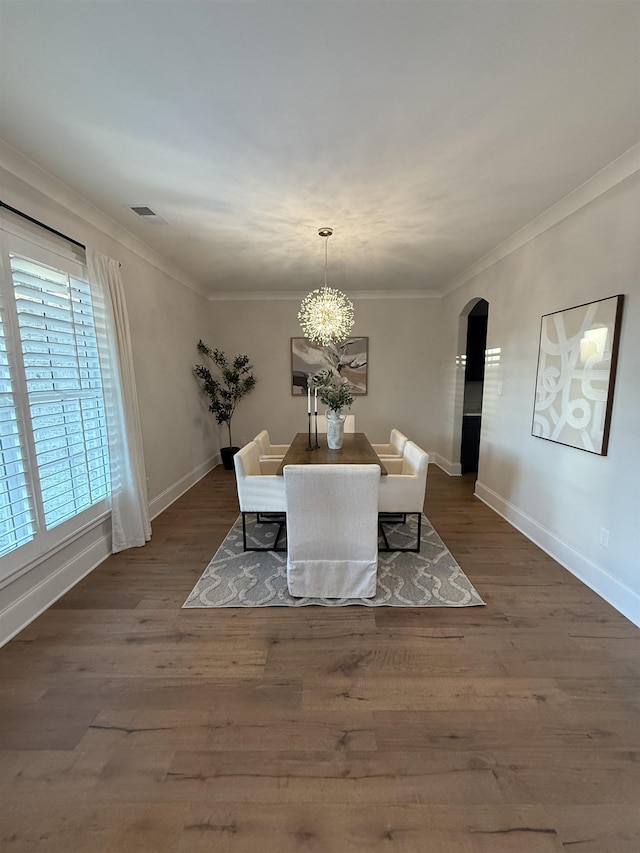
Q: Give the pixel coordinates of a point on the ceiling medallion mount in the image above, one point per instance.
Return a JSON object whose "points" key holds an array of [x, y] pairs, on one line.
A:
{"points": [[326, 315]]}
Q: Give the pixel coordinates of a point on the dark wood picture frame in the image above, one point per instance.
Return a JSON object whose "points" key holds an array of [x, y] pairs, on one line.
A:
{"points": [[577, 359]]}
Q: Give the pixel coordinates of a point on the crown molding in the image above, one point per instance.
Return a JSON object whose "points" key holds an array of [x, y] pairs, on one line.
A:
{"points": [[297, 296], [44, 182], [619, 170]]}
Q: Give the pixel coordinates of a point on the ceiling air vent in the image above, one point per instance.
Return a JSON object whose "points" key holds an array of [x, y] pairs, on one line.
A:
{"points": [[145, 213]]}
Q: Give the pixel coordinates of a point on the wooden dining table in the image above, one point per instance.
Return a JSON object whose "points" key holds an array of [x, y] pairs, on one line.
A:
{"points": [[356, 450]]}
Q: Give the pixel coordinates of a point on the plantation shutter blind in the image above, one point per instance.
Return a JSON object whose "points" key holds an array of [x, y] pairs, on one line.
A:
{"points": [[54, 462], [16, 516], [70, 436], [64, 390]]}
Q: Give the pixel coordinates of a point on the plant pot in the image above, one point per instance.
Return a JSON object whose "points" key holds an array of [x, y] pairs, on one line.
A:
{"points": [[227, 454]]}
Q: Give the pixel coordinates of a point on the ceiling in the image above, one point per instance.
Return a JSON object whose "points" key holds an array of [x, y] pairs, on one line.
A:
{"points": [[425, 133]]}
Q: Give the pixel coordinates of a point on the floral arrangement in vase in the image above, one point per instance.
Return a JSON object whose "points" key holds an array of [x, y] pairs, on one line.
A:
{"points": [[335, 395]]}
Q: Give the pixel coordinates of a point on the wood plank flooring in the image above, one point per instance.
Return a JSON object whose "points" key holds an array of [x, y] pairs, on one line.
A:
{"points": [[129, 724]]}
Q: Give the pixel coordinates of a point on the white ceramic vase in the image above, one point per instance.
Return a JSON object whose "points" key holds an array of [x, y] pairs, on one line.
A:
{"points": [[335, 428]]}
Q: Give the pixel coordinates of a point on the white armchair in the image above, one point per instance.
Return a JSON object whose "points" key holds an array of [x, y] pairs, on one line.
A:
{"points": [[267, 449], [332, 530], [395, 448], [402, 491], [349, 424], [260, 492]]}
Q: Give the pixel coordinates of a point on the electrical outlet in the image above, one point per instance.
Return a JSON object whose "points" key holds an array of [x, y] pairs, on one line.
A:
{"points": [[243, 440], [604, 537]]}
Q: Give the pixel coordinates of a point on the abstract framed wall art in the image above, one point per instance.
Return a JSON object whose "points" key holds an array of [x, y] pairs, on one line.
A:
{"points": [[348, 360], [576, 373]]}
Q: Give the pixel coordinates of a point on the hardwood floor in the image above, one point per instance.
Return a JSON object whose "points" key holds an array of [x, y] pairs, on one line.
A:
{"points": [[129, 724]]}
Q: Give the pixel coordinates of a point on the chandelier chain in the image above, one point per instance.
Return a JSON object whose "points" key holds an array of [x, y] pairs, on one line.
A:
{"points": [[326, 251]]}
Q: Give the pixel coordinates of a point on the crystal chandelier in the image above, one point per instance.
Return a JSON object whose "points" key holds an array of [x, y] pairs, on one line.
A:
{"points": [[326, 314]]}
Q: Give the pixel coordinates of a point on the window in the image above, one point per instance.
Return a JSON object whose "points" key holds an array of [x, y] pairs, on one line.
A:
{"points": [[54, 465]]}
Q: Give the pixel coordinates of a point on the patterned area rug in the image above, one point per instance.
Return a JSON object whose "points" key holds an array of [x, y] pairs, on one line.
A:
{"points": [[237, 578]]}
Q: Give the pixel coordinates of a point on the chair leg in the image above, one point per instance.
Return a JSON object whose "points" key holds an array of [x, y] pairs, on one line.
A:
{"points": [[399, 518], [383, 533], [278, 518]]}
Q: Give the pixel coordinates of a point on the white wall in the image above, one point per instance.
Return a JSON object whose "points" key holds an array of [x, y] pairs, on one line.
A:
{"points": [[404, 357], [560, 496], [166, 317], [179, 433]]}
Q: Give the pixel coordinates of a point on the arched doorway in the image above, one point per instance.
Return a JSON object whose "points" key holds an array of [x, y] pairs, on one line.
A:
{"points": [[476, 343]]}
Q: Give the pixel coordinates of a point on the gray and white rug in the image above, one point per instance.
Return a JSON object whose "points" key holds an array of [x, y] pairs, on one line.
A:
{"points": [[237, 578]]}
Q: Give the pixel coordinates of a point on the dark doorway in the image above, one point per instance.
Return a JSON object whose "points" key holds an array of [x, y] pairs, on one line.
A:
{"points": [[473, 386]]}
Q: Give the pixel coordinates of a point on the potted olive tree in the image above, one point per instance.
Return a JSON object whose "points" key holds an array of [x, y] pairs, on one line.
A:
{"points": [[235, 380]]}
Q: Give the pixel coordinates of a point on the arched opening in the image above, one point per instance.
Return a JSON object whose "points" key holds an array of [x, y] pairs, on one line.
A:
{"points": [[476, 343]]}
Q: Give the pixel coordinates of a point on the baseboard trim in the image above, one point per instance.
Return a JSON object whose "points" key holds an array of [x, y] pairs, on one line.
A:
{"points": [[39, 598], [619, 596], [165, 499], [453, 469]]}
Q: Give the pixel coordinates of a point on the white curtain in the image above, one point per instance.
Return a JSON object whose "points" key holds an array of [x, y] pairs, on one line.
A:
{"points": [[129, 506]]}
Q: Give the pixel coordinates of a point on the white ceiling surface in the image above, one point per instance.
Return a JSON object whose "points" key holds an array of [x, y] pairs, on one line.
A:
{"points": [[425, 133]]}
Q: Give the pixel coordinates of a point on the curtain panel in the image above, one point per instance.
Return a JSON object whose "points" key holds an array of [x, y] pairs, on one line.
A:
{"points": [[129, 506]]}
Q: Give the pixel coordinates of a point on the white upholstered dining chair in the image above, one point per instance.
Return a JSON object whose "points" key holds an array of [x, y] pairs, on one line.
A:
{"points": [[332, 530], [260, 493], [402, 492], [267, 449], [349, 423], [394, 448]]}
